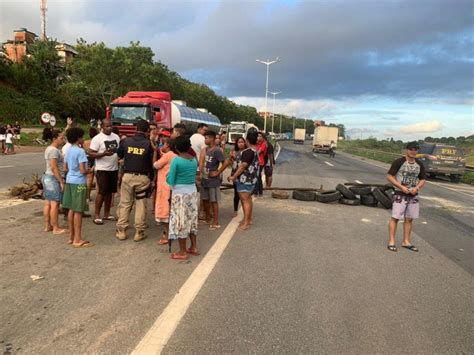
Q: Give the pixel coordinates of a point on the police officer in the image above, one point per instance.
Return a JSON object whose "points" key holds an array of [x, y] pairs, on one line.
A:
{"points": [[137, 153]]}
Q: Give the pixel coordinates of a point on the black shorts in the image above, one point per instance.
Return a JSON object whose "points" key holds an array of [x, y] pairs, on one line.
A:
{"points": [[268, 170], [107, 181]]}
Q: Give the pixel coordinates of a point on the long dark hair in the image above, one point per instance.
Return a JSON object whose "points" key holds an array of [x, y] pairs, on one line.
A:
{"points": [[50, 134], [236, 144]]}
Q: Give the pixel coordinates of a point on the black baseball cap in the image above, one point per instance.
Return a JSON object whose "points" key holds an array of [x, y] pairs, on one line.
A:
{"points": [[413, 145]]}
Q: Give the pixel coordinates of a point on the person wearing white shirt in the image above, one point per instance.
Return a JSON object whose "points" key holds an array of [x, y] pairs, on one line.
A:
{"points": [[198, 139], [103, 148]]}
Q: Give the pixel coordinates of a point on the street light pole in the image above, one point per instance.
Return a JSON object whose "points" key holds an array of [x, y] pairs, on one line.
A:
{"points": [[267, 63], [273, 108]]}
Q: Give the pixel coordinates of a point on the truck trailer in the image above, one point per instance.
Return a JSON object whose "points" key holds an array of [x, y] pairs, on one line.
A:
{"points": [[299, 135], [238, 129], [324, 138], [158, 108]]}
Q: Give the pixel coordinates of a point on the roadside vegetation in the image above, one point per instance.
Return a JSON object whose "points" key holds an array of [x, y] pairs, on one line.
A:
{"points": [[387, 150], [98, 74]]}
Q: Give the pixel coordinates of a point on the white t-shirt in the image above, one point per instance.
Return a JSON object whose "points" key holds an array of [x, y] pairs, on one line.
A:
{"points": [[9, 138], [100, 143], [198, 143], [65, 149]]}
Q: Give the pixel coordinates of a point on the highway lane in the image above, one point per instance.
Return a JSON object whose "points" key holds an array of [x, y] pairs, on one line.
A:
{"points": [[14, 168], [317, 278], [307, 277], [447, 211]]}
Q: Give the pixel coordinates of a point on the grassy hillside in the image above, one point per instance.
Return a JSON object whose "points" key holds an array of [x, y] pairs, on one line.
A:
{"points": [[15, 106]]}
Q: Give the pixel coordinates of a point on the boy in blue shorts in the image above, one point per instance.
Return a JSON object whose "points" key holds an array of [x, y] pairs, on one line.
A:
{"points": [[75, 191]]}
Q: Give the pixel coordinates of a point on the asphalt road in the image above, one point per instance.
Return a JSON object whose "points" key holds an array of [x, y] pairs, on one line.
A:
{"points": [[14, 168], [306, 278]]}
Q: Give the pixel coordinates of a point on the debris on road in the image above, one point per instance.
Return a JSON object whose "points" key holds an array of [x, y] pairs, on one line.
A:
{"points": [[281, 195], [36, 277], [28, 189]]}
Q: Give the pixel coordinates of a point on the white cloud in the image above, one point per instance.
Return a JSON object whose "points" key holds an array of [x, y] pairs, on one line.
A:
{"points": [[310, 109], [418, 128]]}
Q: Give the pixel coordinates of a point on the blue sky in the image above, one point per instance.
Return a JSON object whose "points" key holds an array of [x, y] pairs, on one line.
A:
{"points": [[401, 69]]}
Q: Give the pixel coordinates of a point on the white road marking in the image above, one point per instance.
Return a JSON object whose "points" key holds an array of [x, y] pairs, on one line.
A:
{"points": [[161, 331], [328, 163], [358, 181], [278, 152], [314, 155], [6, 166]]}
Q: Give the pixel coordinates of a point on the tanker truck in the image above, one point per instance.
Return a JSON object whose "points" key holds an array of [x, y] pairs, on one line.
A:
{"points": [[158, 108]]}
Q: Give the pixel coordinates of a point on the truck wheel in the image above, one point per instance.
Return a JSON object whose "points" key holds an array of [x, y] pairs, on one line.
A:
{"points": [[368, 200], [344, 190], [349, 202], [281, 195], [361, 190], [382, 198], [328, 196], [455, 178], [304, 195]]}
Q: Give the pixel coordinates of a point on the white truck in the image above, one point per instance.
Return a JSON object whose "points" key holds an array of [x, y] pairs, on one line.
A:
{"points": [[325, 139], [238, 129], [299, 135]]}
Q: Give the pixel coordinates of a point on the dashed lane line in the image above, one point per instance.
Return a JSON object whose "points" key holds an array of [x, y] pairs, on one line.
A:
{"points": [[161, 331], [328, 163], [6, 166], [358, 181]]}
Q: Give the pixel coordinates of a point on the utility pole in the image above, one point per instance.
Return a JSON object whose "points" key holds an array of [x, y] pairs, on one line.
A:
{"points": [[281, 118], [267, 63], [43, 8], [273, 108], [294, 120]]}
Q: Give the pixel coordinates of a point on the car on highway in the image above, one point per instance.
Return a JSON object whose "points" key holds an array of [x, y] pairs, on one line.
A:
{"points": [[442, 159]]}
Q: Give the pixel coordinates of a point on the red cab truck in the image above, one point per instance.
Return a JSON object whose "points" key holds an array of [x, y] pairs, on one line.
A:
{"points": [[156, 107]]}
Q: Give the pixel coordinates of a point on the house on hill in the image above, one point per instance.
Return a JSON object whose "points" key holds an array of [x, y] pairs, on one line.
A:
{"points": [[16, 50]]}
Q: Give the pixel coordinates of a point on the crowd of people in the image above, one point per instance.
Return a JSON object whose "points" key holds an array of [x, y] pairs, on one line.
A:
{"points": [[182, 175], [9, 137]]}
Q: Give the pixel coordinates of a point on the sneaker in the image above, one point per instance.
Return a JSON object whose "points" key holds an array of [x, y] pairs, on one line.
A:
{"points": [[139, 236], [121, 235]]}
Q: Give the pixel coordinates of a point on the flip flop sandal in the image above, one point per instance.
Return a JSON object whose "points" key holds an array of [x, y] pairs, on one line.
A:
{"points": [[162, 242], [62, 231], [110, 218], [98, 221], [177, 256], [392, 247], [410, 247], [190, 251], [84, 244], [214, 227]]}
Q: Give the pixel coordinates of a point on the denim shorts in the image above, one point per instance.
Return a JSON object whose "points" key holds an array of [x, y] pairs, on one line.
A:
{"points": [[51, 188], [241, 187]]}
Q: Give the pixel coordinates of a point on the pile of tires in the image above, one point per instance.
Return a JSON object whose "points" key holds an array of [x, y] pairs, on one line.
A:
{"points": [[356, 195]]}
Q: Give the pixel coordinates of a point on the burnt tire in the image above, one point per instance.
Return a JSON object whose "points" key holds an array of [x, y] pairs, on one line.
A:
{"points": [[369, 200], [382, 198], [361, 190], [344, 190], [349, 202], [304, 195], [328, 196], [389, 192], [281, 195]]}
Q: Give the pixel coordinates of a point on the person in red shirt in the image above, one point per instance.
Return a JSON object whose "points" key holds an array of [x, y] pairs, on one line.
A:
{"points": [[262, 149]]}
